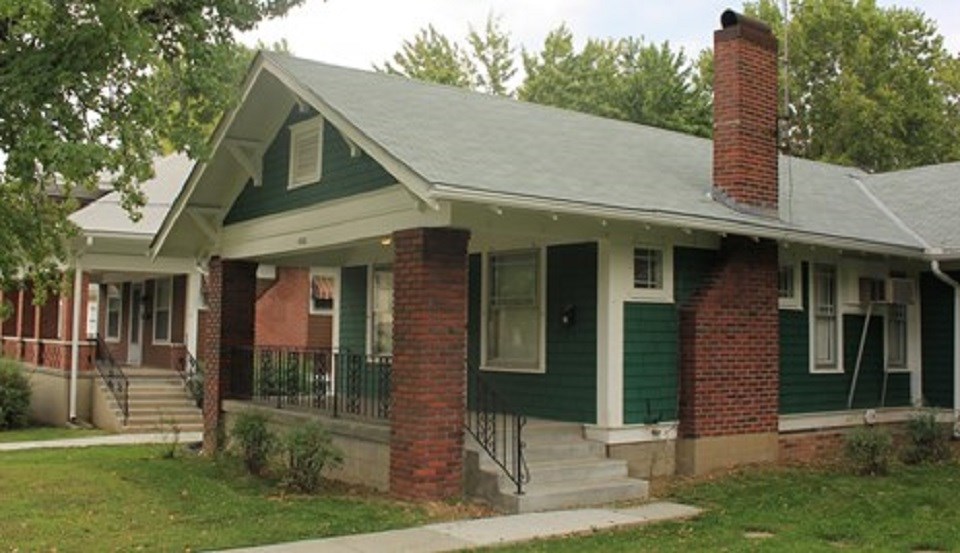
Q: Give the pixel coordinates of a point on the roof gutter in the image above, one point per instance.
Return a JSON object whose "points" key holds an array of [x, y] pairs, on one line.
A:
{"points": [[935, 267], [759, 230]]}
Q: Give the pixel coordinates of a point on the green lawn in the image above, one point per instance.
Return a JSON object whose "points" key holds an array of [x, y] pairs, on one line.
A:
{"points": [[800, 510], [46, 433], [128, 498]]}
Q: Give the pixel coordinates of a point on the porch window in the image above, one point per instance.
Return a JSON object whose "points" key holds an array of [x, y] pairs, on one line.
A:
{"points": [[647, 268], [162, 306], [513, 311], [114, 309], [381, 312], [788, 288], [323, 292], [897, 336], [306, 152], [825, 314]]}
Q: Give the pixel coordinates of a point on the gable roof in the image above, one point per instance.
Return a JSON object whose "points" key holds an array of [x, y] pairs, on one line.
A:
{"points": [[447, 143], [106, 216]]}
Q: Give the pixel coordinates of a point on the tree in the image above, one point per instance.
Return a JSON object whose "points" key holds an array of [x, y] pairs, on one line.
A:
{"points": [[431, 56], [493, 54], [90, 87], [868, 86]]}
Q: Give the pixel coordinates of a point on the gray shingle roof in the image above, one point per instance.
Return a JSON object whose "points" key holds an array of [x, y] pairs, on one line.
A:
{"points": [[106, 215], [927, 199], [474, 142]]}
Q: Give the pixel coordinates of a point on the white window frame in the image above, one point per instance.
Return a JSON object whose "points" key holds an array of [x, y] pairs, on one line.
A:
{"points": [[485, 363], [106, 322], [297, 132], [324, 272], [157, 308], [837, 366], [887, 342], [795, 300], [663, 294], [371, 312]]}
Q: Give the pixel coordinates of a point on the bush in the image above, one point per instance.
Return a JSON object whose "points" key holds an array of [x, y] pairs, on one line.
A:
{"points": [[869, 450], [307, 450], [928, 440], [14, 396], [254, 441]]}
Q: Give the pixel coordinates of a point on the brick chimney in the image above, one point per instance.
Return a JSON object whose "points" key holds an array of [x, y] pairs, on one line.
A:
{"points": [[745, 115]]}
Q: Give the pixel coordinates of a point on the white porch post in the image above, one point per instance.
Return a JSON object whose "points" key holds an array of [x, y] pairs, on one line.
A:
{"points": [[613, 256], [190, 318], [75, 337]]}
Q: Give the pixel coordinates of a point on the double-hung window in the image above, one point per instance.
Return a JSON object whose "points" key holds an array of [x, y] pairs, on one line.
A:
{"points": [[897, 336], [162, 306], [825, 314], [114, 310], [381, 312], [306, 152], [513, 311]]}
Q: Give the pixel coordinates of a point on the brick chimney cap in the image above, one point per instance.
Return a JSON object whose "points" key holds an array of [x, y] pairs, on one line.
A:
{"points": [[729, 18]]}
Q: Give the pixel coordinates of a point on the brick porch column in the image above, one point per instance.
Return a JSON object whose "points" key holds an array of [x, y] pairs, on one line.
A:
{"points": [[429, 352], [729, 369], [228, 323]]}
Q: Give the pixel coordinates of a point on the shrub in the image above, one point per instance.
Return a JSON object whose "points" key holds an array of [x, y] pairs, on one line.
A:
{"points": [[14, 396], [307, 450], [928, 441], [254, 441], [869, 450]]}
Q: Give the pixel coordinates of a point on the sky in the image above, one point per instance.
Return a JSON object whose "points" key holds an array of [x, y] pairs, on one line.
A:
{"points": [[360, 33]]}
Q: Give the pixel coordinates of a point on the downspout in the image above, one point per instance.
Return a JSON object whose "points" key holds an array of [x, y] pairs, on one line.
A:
{"points": [[75, 338], [935, 267]]}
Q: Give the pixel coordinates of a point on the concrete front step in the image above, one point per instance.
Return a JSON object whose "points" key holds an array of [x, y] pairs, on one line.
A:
{"points": [[554, 496], [156, 428], [575, 470]]}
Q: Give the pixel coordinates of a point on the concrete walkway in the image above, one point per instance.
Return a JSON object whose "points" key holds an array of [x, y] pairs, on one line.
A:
{"points": [[112, 439], [486, 532]]}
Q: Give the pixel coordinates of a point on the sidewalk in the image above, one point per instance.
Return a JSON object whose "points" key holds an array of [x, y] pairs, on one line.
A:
{"points": [[112, 439], [486, 532]]}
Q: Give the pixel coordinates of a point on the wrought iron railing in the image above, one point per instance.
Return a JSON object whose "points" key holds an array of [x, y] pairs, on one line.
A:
{"points": [[113, 377], [498, 429], [336, 383], [191, 373]]}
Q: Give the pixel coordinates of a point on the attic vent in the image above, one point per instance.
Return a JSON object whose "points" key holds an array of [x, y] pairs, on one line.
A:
{"points": [[306, 152]]}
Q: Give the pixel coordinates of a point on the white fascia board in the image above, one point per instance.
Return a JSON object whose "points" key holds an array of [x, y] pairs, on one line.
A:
{"points": [[183, 198], [417, 185], [759, 230], [137, 264]]}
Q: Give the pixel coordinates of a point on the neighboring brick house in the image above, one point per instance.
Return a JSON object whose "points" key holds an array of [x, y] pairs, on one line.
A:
{"points": [[689, 304]]}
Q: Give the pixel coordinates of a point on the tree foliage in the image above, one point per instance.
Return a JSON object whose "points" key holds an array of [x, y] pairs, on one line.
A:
{"points": [[868, 86], [95, 87]]}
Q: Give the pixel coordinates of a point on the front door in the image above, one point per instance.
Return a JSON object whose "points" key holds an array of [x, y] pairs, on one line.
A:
{"points": [[135, 345]]}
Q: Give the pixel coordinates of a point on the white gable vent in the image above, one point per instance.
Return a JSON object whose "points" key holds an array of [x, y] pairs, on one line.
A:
{"points": [[306, 152]]}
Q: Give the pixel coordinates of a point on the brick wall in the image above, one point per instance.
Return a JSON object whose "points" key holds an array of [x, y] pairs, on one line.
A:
{"points": [[745, 116], [729, 336], [231, 288], [283, 309], [429, 377], [812, 447]]}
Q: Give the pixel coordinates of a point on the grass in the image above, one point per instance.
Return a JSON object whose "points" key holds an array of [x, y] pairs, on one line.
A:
{"points": [[786, 510], [128, 498], [42, 433]]}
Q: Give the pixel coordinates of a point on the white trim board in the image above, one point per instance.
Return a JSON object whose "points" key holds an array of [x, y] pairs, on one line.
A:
{"points": [[856, 417]]}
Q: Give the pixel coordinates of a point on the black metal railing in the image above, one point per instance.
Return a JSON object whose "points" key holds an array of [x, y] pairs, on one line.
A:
{"points": [[498, 429], [191, 373], [336, 383], [113, 377]]}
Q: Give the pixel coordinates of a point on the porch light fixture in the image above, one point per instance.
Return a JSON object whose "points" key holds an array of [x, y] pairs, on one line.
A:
{"points": [[386, 241]]}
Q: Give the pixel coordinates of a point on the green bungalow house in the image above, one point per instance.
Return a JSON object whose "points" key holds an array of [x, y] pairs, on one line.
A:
{"points": [[647, 302]]}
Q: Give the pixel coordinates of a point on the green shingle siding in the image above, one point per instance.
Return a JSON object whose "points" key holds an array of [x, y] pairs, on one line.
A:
{"points": [[650, 361], [938, 334], [691, 267], [804, 392], [568, 389], [341, 176], [353, 309]]}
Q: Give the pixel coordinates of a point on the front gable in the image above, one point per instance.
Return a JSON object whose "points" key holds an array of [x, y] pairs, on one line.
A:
{"points": [[345, 171]]}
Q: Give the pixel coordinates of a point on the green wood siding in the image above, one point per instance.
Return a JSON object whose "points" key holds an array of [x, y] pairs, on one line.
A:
{"points": [[803, 392], [650, 361], [938, 334], [568, 389], [691, 266], [353, 309], [340, 177]]}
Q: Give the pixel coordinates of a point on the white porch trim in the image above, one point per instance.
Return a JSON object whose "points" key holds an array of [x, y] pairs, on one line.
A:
{"points": [[632, 433], [856, 417]]}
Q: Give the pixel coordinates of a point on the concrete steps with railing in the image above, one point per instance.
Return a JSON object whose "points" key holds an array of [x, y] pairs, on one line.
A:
{"points": [[566, 471], [157, 400]]}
